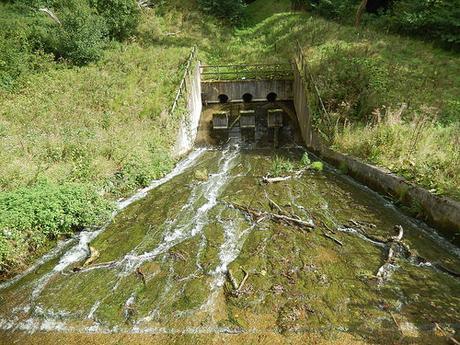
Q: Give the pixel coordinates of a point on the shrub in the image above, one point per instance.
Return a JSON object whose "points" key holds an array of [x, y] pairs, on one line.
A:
{"points": [[438, 20], [231, 10], [81, 38], [318, 166], [26, 221], [281, 166], [305, 160], [122, 16]]}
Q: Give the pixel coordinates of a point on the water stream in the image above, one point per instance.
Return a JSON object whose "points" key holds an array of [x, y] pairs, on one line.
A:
{"points": [[163, 262]]}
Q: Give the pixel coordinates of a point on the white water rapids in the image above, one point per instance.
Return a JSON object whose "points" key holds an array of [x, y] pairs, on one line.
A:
{"points": [[193, 217]]}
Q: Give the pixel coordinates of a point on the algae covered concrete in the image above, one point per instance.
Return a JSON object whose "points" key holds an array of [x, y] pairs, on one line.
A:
{"points": [[161, 274]]}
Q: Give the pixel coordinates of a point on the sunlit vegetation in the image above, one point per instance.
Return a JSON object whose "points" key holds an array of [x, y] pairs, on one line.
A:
{"points": [[86, 101]]}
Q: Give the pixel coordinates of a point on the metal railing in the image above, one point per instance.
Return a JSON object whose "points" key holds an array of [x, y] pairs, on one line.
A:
{"points": [[183, 84], [246, 71]]}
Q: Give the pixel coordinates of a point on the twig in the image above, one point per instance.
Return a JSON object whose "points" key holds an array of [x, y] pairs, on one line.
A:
{"points": [[141, 275], [269, 180], [396, 322], [232, 280], [332, 238], [94, 254], [246, 275], [400, 233], [274, 204], [259, 214], [172, 33]]}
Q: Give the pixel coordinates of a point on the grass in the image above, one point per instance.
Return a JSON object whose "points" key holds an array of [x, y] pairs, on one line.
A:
{"points": [[105, 126]]}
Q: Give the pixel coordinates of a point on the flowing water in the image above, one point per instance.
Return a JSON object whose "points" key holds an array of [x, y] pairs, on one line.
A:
{"points": [[162, 264]]}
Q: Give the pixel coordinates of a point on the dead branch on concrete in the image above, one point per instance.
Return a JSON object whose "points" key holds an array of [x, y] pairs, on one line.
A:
{"points": [[332, 238], [269, 180], [237, 288], [172, 33], [273, 204], [256, 215], [93, 256], [246, 276], [232, 280], [293, 221], [400, 233], [141, 275], [296, 174], [381, 273], [396, 248]]}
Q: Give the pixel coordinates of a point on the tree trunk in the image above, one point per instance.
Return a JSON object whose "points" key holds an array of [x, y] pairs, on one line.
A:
{"points": [[360, 12]]}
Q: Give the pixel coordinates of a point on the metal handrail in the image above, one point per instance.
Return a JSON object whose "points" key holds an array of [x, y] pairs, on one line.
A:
{"points": [[183, 83], [244, 71]]}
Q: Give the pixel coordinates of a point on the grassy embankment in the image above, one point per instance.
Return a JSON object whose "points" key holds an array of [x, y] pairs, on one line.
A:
{"points": [[74, 138], [393, 101]]}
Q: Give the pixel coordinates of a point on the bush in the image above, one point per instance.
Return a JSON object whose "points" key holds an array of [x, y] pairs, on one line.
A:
{"points": [[26, 221], [16, 51], [438, 20], [82, 36], [231, 10], [431, 19], [122, 16]]}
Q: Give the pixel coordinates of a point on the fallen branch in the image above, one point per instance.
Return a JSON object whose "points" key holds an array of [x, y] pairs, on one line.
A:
{"points": [[269, 180], [400, 233], [246, 275], [93, 256], [274, 204], [332, 238], [298, 222], [141, 275], [232, 280], [172, 33], [294, 219]]}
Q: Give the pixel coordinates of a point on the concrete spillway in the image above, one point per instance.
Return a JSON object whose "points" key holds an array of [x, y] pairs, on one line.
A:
{"points": [[205, 255]]}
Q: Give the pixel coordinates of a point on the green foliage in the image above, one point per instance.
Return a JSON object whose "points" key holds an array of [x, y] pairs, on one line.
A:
{"points": [[81, 38], [318, 166], [121, 16], [429, 19], [17, 57], [281, 166], [433, 19], [30, 215], [305, 160], [231, 10]]}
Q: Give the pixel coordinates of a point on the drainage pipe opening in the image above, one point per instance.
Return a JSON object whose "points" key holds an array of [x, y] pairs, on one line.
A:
{"points": [[271, 97], [223, 98], [247, 97]]}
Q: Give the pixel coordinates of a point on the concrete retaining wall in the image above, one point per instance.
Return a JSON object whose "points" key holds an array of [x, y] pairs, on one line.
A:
{"points": [[235, 89], [189, 127], [440, 212]]}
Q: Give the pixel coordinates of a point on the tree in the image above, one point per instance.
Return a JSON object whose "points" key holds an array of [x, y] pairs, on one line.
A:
{"points": [[121, 16], [232, 10], [360, 12]]}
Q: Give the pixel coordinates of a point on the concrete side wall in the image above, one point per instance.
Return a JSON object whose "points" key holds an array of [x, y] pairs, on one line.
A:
{"points": [[189, 126], [301, 107], [259, 89], [440, 212]]}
